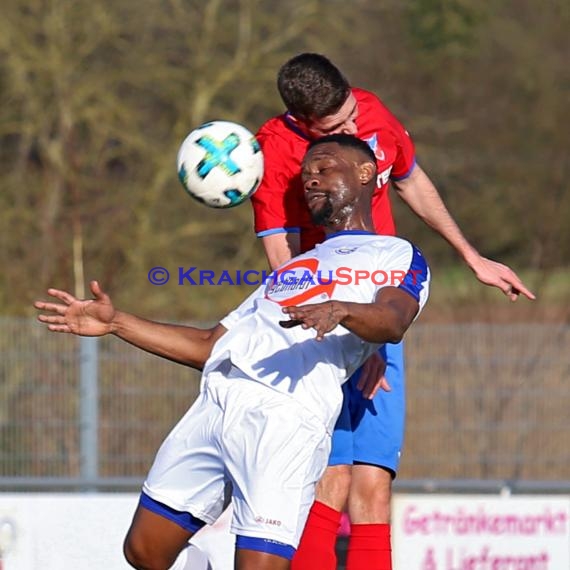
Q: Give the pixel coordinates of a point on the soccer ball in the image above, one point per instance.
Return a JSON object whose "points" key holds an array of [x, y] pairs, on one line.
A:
{"points": [[220, 164]]}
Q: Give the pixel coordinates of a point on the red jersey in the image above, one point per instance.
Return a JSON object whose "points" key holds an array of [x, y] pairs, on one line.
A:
{"points": [[279, 202]]}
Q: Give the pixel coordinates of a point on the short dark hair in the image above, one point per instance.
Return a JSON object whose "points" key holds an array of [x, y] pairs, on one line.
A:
{"points": [[311, 86], [348, 141]]}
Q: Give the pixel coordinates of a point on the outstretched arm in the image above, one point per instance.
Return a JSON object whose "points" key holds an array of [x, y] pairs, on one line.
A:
{"points": [[384, 320], [422, 197], [98, 317]]}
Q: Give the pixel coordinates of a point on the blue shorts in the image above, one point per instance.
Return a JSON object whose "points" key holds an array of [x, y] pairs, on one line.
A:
{"points": [[372, 431]]}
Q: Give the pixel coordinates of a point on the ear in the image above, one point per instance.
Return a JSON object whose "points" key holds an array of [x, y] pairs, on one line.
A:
{"points": [[367, 171]]}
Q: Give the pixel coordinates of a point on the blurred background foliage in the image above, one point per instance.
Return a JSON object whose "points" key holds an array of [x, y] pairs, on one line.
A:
{"points": [[95, 98]]}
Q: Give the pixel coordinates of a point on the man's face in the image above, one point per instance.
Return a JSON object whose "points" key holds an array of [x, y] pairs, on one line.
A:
{"points": [[343, 121], [330, 181]]}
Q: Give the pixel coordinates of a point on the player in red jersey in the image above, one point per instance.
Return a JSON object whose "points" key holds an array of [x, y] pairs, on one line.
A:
{"points": [[284, 143], [369, 434]]}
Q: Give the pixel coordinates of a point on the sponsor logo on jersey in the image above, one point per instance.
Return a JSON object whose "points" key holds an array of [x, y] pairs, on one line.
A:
{"points": [[298, 282], [373, 144], [345, 250], [383, 177]]}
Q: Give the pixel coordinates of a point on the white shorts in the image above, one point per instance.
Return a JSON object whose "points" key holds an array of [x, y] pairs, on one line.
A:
{"points": [[271, 449]]}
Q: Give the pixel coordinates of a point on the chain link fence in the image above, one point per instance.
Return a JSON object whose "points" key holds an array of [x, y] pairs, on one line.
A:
{"points": [[486, 402]]}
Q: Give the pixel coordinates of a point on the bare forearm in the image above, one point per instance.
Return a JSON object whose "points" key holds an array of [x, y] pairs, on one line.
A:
{"points": [[384, 320], [422, 197], [182, 344], [280, 248], [371, 322]]}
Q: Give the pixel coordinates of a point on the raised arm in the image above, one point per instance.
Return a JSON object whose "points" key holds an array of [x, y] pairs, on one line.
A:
{"points": [[422, 197], [97, 317], [384, 320], [280, 248]]}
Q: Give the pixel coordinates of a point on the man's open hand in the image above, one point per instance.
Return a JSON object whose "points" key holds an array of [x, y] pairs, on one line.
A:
{"points": [[323, 317], [501, 276], [372, 377], [91, 317]]}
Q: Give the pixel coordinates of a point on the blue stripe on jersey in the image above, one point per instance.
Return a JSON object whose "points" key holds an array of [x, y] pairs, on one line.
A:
{"points": [[404, 176], [417, 274], [278, 231], [265, 545]]}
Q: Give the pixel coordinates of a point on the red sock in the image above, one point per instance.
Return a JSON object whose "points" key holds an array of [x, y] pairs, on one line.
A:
{"points": [[317, 547], [369, 547]]}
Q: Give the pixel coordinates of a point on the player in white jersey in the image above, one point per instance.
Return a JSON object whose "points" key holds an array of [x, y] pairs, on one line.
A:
{"points": [[271, 388]]}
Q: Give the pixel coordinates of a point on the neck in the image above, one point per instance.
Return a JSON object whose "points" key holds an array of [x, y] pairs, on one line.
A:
{"points": [[355, 221]]}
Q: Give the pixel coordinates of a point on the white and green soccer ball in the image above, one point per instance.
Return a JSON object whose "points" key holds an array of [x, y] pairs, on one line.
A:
{"points": [[220, 164]]}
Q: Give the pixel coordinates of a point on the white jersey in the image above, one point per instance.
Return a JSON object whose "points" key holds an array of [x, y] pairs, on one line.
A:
{"points": [[271, 395], [349, 266]]}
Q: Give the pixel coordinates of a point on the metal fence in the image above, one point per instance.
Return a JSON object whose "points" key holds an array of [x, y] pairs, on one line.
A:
{"points": [[488, 405]]}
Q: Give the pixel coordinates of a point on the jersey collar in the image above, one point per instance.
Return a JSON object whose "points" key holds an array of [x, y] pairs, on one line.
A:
{"points": [[350, 232], [287, 117]]}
